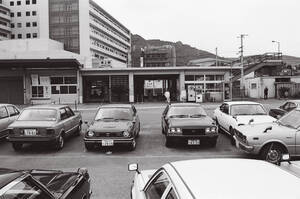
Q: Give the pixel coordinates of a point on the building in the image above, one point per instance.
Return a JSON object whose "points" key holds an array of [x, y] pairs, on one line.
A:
{"points": [[209, 62], [5, 20], [82, 26], [158, 56]]}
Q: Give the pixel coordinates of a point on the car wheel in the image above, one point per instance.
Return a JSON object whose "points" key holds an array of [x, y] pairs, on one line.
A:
{"points": [[272, 153], [132, 145], [78, 130], [168, 143], [212, 142], [89, 146], [60, 143], [17, 146]]}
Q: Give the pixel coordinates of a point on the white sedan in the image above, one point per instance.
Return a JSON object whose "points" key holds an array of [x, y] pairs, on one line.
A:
{"points": [[215, 178], [232, 114]]}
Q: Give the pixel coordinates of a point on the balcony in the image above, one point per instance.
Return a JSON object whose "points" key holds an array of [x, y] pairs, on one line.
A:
{"points": [[6, 28], [4, 16], [107, 52]]}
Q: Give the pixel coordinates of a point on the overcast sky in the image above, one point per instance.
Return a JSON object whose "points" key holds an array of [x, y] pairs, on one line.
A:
{"points": [[207, 24]]}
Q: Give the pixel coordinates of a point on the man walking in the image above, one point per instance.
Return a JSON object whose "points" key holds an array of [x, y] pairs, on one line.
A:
{"points": [[167, 95], [266, 90]]}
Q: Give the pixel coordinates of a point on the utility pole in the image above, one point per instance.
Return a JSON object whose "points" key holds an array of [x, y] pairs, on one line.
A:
{"points": [[242, 86], [216, 56]]}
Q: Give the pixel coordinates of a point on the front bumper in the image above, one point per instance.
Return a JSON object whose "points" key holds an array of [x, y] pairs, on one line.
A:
{"points": [[244, 147], [118, 141], [184, 138]]}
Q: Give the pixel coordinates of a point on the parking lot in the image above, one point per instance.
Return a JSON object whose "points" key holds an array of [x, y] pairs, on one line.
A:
{"points": [[108, 167]]}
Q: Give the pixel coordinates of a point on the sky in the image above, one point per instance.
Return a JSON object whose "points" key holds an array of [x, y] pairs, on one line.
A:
{"points": [[211, 24]]}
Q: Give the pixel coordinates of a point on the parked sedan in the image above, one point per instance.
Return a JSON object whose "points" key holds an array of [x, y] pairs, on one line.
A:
{"points": [[188, 123], [210, 178], [233, 114], [44, 184], [117, 124], [271, 140], [45, 123], [285, 108], [8, 114]]}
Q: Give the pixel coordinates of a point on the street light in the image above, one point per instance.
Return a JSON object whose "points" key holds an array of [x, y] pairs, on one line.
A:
{"points": [[278, 45]]}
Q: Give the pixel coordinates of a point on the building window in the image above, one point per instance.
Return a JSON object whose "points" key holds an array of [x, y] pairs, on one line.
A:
{"points": [[64, 85], [37, 91], [12, 25], [27, 13], [28, 24], [34, 24], [11, 3], [33, 1], [33, 13], [12, 14], [18, 3], [12, 36], [19, 14], [34, 35], [19, 25], [27, 2], [19, 36], [253, 86], [28, 35]]}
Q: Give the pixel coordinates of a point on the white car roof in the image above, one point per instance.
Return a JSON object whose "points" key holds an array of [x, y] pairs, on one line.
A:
{"points": [[241, 102], [236, 179]]}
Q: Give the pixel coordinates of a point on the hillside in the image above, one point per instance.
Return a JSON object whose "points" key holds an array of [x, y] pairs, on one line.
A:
{"points": [[290, 60], [184, 52]]}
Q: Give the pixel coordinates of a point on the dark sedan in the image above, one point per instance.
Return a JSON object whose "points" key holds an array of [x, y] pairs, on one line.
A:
{"points": [[44, 184], [113, 125], [44, 124], [188, 123], [285, 108]]}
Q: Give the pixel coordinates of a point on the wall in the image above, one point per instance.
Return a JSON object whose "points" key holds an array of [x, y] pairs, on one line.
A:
{"points": [[84, 27], [268, 82]]}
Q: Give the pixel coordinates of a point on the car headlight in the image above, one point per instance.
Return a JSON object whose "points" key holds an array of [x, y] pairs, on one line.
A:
{"points": [[126, 134], [90, 134], [175, 130], [211, 129]]}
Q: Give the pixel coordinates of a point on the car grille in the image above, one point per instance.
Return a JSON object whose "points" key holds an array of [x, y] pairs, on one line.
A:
{"points": [[240, 136], [193, 131], [109, 134]]}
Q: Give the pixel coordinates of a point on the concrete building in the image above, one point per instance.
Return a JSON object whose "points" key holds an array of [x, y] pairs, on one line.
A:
{"points": [[158, 56], [5, 21], [209, 62], [82, 26]]}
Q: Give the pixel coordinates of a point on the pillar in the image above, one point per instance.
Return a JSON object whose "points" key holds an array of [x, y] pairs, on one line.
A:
{"points": [[182, 85], [131, 87], [79, 87]]}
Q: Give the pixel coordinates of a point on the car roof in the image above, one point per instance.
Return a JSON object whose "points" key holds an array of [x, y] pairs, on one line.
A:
{"points": [[7, 176], [184, 104], [2, 104], [116, 106], [47, 106], [236, 178], [240, 102]]}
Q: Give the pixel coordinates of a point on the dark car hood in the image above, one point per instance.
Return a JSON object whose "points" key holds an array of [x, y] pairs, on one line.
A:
{"points": [[32, 124], [191, 122], [105, 126]]}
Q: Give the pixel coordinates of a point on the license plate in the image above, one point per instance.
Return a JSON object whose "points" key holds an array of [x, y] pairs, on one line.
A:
{"points": [[193, 142], [30, 132], [107, 143]]}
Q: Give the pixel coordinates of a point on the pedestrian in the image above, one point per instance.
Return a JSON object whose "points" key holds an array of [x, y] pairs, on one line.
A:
{"points": [[167, 95], [266, 91]]}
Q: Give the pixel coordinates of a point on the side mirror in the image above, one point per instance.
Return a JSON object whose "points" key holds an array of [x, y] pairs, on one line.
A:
{"points": [[134, 167], [234, 117], [267, 129]]}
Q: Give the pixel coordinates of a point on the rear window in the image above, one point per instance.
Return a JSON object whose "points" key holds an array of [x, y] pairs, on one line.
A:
{"points": [[38, 115]]}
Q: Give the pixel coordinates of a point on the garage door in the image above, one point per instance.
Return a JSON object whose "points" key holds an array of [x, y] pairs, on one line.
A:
{"points": [[11, 90]]}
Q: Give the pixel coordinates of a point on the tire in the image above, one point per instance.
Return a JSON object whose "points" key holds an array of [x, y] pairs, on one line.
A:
{"points": [[60, 143], [17, 146], [212, 142], [89, 147], [168, 143], [272, 153], [132, 145], [78, 130]]}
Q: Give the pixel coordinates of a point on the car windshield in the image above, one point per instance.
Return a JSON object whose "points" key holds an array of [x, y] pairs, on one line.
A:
{"points": [[185, 111], [247, 109], [114, 114], [38, 115], [291, 120]]}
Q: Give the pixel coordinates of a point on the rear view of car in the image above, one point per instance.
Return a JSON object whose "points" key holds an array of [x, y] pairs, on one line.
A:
{"points": [[113, 125], [8, 114]]}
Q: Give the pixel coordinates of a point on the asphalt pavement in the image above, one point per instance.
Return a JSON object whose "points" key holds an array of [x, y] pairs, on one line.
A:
{"points": [[108, 167]]}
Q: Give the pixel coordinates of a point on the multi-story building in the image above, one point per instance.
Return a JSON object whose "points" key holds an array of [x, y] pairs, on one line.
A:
{"points": [[5, 21], [82, 26], [159, 56]]}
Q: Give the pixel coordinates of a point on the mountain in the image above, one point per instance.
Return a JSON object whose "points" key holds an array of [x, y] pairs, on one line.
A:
{"points": [[291, 60], [184, 52]]}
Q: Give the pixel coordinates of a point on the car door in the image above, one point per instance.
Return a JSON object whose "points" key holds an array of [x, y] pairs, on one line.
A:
{"points": [[158, 186], [65, 122], [13, 113], [164, 123], [72, 119], [4, 121], [224, 115]]}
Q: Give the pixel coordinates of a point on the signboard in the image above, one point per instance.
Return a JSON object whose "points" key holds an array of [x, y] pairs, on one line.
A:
{"points": [[149, 84]]}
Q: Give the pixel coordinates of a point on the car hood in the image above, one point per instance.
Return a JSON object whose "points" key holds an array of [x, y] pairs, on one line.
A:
{"points": [[32, 124], [191, 122], [257, 119], [110, 126], [256, 129]]}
